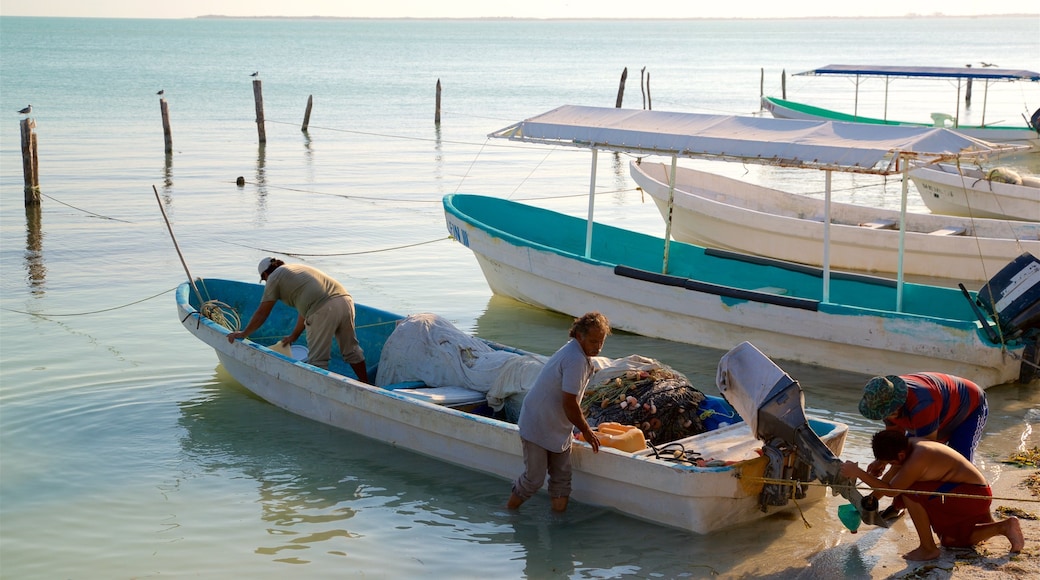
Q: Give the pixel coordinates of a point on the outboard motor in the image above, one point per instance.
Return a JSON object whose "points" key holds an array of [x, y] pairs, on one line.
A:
{"points": [[1011, 299], [774, 406]]}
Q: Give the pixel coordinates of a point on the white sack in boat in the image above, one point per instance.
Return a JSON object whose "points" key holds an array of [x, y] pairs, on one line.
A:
{"points": [[428, 348]]}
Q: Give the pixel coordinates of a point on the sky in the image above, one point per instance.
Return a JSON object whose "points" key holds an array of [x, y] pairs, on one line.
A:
{"points": [[500, 8]]}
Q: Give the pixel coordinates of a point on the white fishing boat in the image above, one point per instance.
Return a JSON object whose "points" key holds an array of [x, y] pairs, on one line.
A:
{"points": [[432, 400], [999, 193], [652, 286], [1026, 133], [721, 212]]}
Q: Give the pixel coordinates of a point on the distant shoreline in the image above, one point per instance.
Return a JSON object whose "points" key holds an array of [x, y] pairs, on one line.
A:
{"points": [[649, 19], [532, 19]]}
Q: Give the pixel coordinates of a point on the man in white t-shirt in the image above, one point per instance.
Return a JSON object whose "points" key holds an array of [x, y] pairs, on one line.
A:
{"points": [[552, 409]]}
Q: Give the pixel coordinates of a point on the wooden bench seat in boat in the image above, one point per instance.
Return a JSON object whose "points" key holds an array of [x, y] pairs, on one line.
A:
{"points": [[948, 231], [880, 224]]}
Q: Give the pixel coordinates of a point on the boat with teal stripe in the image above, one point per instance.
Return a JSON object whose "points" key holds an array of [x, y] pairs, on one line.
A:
{"points": [[718, 298], [1026, 133]]}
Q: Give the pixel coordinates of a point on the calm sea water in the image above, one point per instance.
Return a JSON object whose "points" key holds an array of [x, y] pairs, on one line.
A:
{"points": [[126, 450]]}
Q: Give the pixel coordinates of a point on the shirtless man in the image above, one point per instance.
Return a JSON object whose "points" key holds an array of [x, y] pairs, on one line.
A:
{"points": [[926, 470]]}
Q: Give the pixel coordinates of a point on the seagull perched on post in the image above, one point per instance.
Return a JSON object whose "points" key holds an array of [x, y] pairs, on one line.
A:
{"points": [[160, 93], [254, 75], [26, 110]]}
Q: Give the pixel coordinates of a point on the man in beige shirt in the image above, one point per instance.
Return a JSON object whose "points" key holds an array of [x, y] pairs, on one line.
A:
{"points": [[324, 308]]}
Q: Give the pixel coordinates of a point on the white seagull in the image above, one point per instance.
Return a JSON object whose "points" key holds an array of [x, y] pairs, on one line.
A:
{"points": [[26, 110]]}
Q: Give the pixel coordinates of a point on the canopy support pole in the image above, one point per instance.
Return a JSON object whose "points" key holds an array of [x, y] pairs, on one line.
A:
{"points": [[957, 117], [902, 232], [855, 103], [887, 82], [985, 96], [592, 203], [827, 237], [668, 220]]}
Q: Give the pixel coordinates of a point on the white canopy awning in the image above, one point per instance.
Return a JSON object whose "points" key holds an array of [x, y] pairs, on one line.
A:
{"points": [[828, 145]]}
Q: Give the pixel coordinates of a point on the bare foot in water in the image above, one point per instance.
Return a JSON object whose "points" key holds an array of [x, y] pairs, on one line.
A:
{"points": [[1014, 535], [514, 501], [922, 554]]}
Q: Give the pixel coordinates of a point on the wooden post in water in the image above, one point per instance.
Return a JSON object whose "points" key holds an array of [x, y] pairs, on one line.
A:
{"points": [[307, 113], [967, 93], [783, 84], [258, 96], [761, 86], [649, 99], [642, 89], [621, 88], [30, 162], [167, 136], [437, 105]]}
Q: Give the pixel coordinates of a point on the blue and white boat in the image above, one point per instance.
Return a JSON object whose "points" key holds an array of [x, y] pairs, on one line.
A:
{"points": [[1026, 133], [445, 421], [687, 293]]}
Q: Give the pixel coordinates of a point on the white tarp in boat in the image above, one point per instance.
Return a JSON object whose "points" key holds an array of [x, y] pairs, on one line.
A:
{"points": [[784, 142], [428, 348], [745, 378]]}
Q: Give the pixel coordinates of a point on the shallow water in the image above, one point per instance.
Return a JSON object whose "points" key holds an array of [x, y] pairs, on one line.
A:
{"points": [[126, 451]]}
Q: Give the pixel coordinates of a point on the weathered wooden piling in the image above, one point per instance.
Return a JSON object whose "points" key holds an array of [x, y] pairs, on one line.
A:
{"points": [[967, 91], [30, 162], [621, 88], [783, 84], [307, 113], [437, 106], [164, 108], [649, 99], [258, 97], [642, 86]]}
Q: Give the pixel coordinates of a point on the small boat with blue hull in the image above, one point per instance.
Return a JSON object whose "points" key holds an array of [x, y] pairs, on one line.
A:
{"points": [[643, 484]]}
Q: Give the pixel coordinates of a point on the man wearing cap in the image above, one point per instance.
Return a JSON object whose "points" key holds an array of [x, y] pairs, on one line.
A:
{"points": [[933, 406], [324, 308]]}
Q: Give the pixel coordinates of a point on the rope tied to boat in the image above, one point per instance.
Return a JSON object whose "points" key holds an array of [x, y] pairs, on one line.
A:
{"points": [[792, 482]]}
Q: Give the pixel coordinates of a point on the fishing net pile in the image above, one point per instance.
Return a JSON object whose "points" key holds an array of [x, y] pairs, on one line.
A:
{"points": [[639, 391]]}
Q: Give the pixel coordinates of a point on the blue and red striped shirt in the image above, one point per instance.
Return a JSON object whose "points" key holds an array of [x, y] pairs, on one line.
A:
{"points": [[936, 402]]}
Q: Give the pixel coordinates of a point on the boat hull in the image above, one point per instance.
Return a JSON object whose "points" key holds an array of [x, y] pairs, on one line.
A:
{"points": [[782, 109], [717, 211], [968, 192], [695, 499], [867, 339]]}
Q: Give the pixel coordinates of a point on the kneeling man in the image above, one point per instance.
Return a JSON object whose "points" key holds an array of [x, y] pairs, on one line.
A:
{"points": [[927, 471]]}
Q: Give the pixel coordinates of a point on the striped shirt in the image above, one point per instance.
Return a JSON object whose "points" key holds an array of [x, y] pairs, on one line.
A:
{"points": [[936, 402]]}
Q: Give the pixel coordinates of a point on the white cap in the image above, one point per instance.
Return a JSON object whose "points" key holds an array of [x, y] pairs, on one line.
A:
{"points": [[263, 266]]}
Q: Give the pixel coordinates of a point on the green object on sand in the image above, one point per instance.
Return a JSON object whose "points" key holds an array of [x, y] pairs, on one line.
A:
{"points": [[849, 516]]}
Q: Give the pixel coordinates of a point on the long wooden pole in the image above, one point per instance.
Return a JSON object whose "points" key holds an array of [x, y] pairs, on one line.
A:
{"points": [[437, 105], [258, 97], [164, 108], [30, 162]]}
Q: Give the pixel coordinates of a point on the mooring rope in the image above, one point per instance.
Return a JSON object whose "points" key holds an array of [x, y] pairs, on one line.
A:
{"points": [[793, 482], [46, 315]]}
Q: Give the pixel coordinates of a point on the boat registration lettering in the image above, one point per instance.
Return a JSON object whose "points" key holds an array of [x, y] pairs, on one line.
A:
{"points": [[460, 235]]}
